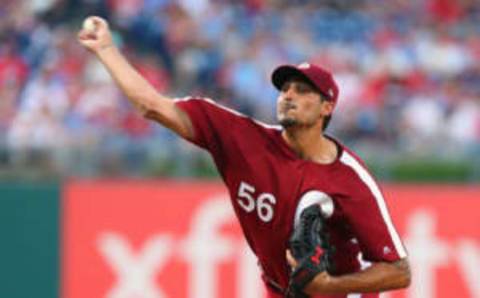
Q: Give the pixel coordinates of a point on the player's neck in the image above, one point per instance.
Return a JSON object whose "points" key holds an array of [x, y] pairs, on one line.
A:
{"points": [[311, 144]]}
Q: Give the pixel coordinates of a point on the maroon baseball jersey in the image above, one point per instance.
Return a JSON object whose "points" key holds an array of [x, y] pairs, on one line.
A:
{"points": [[269, 185]]}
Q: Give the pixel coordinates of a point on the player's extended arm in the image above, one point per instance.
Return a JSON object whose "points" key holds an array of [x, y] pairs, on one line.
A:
{"points": [[143, 95], [381, 276]]}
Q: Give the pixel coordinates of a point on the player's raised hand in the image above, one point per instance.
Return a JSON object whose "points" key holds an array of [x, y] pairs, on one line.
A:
{"points": [[95, 34]]}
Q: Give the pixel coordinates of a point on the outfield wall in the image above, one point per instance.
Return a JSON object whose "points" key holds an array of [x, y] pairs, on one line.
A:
{"points": [[180, 239], [29, 250]]}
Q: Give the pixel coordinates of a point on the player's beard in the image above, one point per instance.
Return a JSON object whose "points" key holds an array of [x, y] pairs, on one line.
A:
{"points": [[289, 123]]}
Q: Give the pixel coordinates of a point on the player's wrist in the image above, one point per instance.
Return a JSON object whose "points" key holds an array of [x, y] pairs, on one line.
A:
{"points": [[104, 48], [323, 283], [106, 51]]}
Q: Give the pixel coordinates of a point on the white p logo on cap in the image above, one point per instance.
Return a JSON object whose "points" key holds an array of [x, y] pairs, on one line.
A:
{"points": [[304, 65]]}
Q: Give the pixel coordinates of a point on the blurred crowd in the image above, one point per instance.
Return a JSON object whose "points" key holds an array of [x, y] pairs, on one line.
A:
{"points": [[408, 70]]}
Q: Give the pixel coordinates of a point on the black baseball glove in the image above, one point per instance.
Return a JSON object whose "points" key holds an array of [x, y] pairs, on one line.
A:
{"points": [[309, 246]]}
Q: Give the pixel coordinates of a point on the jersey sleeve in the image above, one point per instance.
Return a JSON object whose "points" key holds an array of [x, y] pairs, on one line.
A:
{"points": [[215, 127], [368, 216]]}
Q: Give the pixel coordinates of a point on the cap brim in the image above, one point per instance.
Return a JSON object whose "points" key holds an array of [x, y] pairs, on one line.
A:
{"points": [[285, 72]]}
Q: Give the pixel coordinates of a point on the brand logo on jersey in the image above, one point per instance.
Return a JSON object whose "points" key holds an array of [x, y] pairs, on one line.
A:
{"points": [[304, 65], [386, 250]]}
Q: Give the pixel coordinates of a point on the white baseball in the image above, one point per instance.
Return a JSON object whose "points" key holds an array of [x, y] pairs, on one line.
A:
{"points": [[89, 25]]}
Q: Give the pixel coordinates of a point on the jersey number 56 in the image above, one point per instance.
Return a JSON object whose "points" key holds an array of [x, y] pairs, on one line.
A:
{"points": [[263, 203]]}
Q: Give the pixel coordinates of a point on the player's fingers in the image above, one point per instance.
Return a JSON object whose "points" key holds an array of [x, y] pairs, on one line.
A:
{"points": [[85, 38], [100, 23], [290, 259], [86, 41], [83, 35]]}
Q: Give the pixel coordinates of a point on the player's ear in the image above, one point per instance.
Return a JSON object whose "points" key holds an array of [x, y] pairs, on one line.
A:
{"points": [[327, 107]]}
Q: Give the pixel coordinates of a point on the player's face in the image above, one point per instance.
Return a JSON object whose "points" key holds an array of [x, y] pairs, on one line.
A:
{"points": [[300, 105]]}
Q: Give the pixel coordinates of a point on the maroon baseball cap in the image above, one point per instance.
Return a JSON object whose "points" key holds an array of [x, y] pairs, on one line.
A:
{"points": [[319, 77]]}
